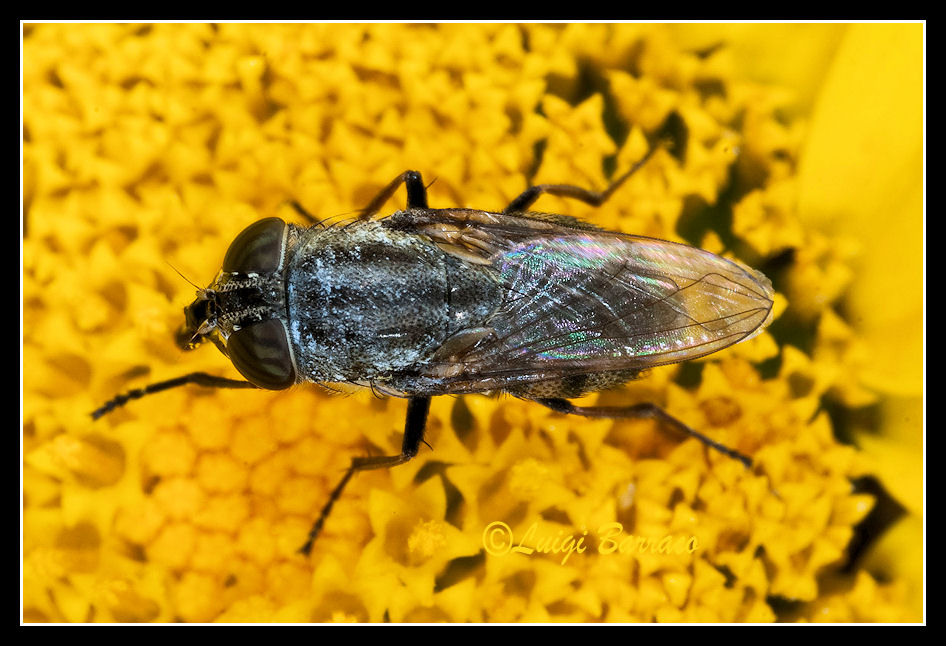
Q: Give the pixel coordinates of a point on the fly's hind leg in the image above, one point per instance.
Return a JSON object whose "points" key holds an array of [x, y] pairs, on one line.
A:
{"points": [[644, 410], [417, 409], [594, 198]]}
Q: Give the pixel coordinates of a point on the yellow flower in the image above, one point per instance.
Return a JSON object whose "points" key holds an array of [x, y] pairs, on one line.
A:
{"points": [[147, 148]]}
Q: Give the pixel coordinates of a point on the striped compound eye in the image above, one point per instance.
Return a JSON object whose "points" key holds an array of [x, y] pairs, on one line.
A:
{"points": [[260, 350], [259, 248], [261, 353]]}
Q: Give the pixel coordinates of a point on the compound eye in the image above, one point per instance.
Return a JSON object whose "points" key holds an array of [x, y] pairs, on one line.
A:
{"points": [[258, 248], [261, 353]]}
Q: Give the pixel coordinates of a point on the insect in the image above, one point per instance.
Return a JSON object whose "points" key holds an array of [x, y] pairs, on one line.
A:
{"points": [[428, 302]]}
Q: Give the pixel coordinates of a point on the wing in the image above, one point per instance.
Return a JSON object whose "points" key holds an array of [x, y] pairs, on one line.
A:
{"points": [[580, 300]]}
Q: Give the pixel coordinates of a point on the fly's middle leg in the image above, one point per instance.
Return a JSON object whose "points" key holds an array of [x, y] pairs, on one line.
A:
{"points": [[417, 409], [644, 410]]}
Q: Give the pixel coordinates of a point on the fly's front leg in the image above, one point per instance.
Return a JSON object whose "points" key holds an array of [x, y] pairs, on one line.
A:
{"points": [[298, 208], [416, 197], [594, 198], [417, 409], [644, 410], [196, 378], [416, 193]]}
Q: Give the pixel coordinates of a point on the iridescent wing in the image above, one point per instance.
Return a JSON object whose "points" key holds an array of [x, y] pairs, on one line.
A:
{"points": [[582, 300]]}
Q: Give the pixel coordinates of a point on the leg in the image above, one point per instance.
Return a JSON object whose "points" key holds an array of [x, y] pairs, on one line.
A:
{"points": [[198, 378], [416, 193], [531, 194], [417, 409], [298, 208], [416, 197], [644, 410]]}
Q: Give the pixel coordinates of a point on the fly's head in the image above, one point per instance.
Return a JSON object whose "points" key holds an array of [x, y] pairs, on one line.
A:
{"points": [[200, 321], [243, 312]]}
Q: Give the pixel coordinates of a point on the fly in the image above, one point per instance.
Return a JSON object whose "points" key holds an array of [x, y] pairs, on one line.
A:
{"points": [[429, 302]]}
